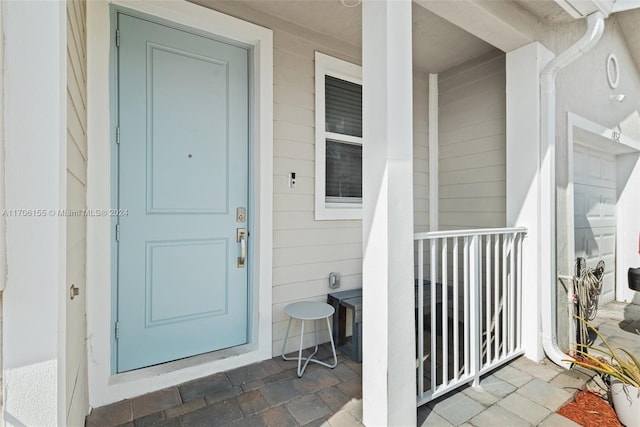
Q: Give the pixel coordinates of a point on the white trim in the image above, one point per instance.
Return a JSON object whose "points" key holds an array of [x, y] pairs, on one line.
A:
{"points": [[105, 388], [328, 65], [616, 140], [343, 138], [571, 244], [434, 183]]}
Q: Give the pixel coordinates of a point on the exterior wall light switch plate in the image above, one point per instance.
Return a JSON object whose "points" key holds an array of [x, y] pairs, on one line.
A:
{"points": [[334, 280], [292, 180]]}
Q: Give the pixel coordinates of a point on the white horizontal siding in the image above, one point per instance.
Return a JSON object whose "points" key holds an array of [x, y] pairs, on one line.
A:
{"points": [[305, 251], [472, 144]]}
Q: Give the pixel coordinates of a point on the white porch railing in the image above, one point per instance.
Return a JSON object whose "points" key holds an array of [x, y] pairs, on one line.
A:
{"points": [[472, 324]]}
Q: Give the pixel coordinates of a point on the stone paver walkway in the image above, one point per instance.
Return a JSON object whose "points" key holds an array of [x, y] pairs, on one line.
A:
{"points": [[527, 393], [522, 393], [263, 394]]}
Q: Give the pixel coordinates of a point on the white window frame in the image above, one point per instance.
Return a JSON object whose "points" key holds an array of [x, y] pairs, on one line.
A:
{"points": [[334, 67]]}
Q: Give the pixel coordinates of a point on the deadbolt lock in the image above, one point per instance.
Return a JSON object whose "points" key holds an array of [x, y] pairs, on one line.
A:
{"points": [[241, 215]]}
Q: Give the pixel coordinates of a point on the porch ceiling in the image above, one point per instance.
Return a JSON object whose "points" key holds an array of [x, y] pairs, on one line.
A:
{"points": [[438, 44]]}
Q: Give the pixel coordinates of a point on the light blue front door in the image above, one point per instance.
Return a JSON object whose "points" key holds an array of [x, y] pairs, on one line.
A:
{"points": [[183, 174]]}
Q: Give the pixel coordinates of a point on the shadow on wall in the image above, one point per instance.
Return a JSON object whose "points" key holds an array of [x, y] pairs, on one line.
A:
{"points": [[631, 322]]}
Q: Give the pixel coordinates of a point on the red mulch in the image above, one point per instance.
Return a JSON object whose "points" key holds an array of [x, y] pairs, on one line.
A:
{"points": [[590, 410]]}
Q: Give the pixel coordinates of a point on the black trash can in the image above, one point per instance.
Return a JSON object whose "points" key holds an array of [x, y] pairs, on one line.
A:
{"points": [[634, 279]]}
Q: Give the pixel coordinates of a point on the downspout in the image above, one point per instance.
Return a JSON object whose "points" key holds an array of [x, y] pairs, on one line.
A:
{"points": [[595, 28]]}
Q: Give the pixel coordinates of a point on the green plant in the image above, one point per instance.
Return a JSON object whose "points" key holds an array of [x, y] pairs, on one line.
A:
{"points": [[618, 363]]}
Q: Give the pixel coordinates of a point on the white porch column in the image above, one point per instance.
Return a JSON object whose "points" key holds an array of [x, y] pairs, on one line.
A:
{"points": [[523, 178], [35, 168], [389, 375]]}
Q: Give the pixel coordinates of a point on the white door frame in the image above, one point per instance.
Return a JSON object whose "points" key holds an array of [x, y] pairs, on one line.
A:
{"points": [[610, 140], [104, 386]]}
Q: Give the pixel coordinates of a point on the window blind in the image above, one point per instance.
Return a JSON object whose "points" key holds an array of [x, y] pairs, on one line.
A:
{"points": [[343, 107]]}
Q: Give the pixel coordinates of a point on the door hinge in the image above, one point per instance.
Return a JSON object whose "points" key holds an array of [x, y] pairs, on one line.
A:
{"points": [[117, 330], [117, 38], [117, 232], [118, 135]]}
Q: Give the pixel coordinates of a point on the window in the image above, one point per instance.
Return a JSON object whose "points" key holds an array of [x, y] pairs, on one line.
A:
{"points": [[338, 139]]}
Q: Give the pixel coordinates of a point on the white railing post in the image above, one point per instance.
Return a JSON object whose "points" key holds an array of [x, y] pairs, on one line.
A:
{"points": [[467, 321], [433, 348], [519, 290], [474, 307], [445, 316], [456, 312], [512, 293], [420, 303]]}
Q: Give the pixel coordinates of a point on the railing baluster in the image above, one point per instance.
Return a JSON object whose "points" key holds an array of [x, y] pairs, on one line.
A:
{"points": [[505, 306], [445, 316], [466, 304], [456, 314], [487, 285], [479, 299], [433, 350], [496, 294], [512, 295], [420, 301], [474, 308]]}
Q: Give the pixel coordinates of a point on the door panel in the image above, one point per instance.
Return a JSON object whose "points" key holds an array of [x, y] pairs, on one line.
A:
{"points": [[187, 148], [183, 172]]}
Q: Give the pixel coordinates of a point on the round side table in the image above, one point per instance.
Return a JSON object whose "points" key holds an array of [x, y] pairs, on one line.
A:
{"points": [[309, 310]]}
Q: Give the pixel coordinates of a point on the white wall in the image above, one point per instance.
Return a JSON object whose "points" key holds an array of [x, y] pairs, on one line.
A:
{"points": [[628, 252], [35, 139], [305, 251], [582, 89], [472, 144], [77, 404], [3, 247]]}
